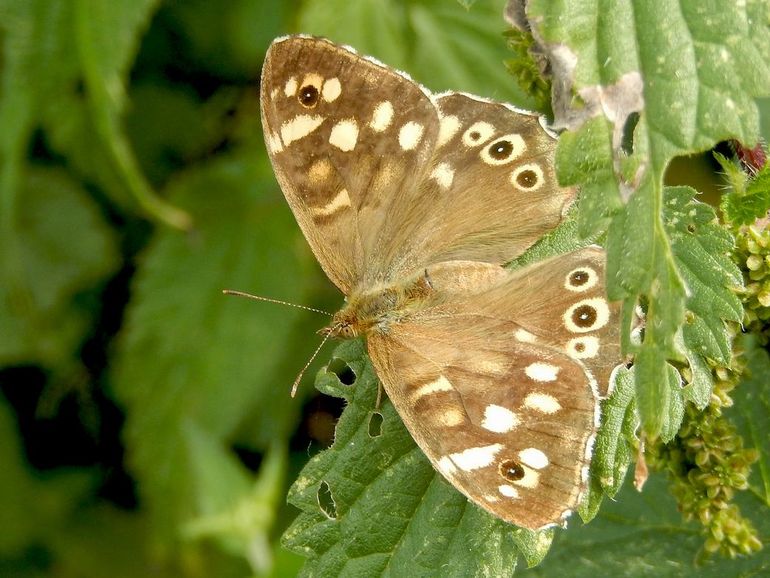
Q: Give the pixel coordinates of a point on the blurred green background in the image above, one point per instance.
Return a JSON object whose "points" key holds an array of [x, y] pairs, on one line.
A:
{"points": [[145, 422]]}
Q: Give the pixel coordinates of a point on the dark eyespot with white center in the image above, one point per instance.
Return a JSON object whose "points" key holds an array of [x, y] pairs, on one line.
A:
{"points": [[478, 133], [587, 315], [583, 347], [581, 279], [308, 96], [503, 150], [528, 177], [511, 470]]}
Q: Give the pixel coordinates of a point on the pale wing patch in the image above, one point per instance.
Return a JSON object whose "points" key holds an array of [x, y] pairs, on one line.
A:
{"points": [[450, 417], [290, 88], [331, 90], [341, 201], [525, 336], [530, 480], [475, 458], [508, 491], [447, 129], [319, 171], [499, 419], [299, 127], [534, 458], [313, 79], [542, 402], [440, 384], [344, 135], [382, 116], [410, 135], [540, 371], [443, 174], [274, 142]]}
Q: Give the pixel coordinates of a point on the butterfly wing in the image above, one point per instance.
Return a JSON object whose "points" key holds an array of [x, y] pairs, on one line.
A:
{"points": [[384, 177], [338, 132], [503, 406]]}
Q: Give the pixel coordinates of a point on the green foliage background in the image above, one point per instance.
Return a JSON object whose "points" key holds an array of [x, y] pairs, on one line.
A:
{"points": [[145, 422]]}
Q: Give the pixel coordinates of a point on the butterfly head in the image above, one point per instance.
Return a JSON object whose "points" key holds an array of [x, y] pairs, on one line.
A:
{"points": [[342, 327]]}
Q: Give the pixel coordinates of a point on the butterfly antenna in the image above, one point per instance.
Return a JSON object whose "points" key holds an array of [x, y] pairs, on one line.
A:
{"points": [[309, 361], [258, 298]]}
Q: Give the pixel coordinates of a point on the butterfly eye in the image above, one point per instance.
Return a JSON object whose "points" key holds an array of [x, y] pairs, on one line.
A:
{"points": [[308, 96], [503, 150], [511, 470]]}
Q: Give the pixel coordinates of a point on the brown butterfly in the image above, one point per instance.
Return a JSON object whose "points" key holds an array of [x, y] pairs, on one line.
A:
{"points": [[412, 202]]}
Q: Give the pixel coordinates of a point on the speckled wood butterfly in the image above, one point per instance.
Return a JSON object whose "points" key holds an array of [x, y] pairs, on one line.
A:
{"points": [[412, 202]]}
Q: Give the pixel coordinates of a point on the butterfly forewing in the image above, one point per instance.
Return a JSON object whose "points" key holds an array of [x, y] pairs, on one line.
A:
{"points": [[349, 140]]}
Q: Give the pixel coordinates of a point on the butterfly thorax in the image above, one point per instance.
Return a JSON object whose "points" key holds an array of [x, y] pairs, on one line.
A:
{"points": [[374, 309]]}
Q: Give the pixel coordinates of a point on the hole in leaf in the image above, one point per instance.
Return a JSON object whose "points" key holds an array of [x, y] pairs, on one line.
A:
{"points": [[627, 141], [375, 425], [326, 501], [343, 372]]}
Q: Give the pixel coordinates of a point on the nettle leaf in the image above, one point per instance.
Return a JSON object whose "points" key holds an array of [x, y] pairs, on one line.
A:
{"points": [[63, 248], [749, 199], [372, 504], [613, 451], [180, 361], [655, 80]]}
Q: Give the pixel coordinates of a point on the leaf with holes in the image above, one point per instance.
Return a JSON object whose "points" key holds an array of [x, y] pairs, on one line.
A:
{"points": [[373, 504]]}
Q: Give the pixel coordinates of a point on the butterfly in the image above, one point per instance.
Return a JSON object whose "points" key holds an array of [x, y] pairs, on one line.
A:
{"points": [[412, 202]]}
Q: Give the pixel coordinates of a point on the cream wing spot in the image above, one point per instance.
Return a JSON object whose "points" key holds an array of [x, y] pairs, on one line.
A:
{"points": [[290, 88], [534, 458], [299, 127], [587, 315], [440, 384], [344, 135], [443, 174], [382, 116], [450, 417], [319, 171], [331, 89], [528, 177], [447, 467], [524, 336], [448, 127], [410, 135], [584, 347], [542, 402], [341, 201], [499, 419], [476, 458], [508, 491], [540, 371], [274, 142]]}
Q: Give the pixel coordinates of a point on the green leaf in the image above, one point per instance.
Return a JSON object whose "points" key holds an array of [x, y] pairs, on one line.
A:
{"points": [[392, 515], [442, 44], [64, 249], [657, 68], [613, 451], [189, 356], [640, 535], [751, 408], [750, 198]]}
